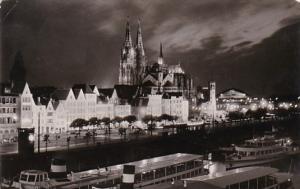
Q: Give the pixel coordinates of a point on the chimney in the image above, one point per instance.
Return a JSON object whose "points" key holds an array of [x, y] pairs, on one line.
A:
{"points": [[128, 177]]}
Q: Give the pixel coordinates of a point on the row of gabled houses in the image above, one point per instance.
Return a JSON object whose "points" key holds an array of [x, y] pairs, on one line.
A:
{"points": [[54, 109]]}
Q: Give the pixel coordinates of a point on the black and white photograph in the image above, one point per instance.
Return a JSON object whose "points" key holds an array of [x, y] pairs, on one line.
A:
{"points": [[152, 94]]}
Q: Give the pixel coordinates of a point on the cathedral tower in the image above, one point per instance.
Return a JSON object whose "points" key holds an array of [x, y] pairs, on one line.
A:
{"points": [[127, 72], [160, 59], [140, 55], [212, 98]]}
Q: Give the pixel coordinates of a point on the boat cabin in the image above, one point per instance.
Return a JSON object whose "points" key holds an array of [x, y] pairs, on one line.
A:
{"points": [[241, 178], [33, 178]]}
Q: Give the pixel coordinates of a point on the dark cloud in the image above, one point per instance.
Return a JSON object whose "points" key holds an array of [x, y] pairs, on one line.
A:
{"points": [[79, 41]]}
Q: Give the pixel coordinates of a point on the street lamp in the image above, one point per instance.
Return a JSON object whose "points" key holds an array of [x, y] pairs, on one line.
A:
{"points": [[31, 137]]}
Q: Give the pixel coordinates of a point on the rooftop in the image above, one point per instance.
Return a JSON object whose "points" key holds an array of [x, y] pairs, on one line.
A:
{"points": [[155, 163], [163, 161], [226, 178]]}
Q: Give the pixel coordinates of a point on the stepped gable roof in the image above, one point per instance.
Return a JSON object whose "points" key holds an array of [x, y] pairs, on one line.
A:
{"points": [[107, 92], [126, 91], [85, 88], [60, 94]]}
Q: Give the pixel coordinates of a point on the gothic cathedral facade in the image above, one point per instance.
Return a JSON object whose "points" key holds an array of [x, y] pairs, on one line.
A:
{"points": [[133, 59]]}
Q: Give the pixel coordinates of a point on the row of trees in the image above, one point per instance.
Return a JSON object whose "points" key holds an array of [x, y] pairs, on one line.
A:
{"points": [[95, 122]]}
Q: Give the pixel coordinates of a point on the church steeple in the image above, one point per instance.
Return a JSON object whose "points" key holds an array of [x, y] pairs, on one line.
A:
{"points": [[140, 55], [160, 60], [128, 40], [127, 61], [139, 40]]}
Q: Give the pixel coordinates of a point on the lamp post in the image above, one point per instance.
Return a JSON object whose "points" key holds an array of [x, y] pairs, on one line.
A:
{"points": [[39, 125]]}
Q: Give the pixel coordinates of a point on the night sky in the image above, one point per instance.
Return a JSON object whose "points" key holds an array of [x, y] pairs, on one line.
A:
{"points": [[252, 45]]}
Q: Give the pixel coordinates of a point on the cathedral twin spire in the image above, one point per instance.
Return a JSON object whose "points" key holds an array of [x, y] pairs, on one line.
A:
{"points": [[133, 58], [133, 61], [128, 40], [139, 39]]}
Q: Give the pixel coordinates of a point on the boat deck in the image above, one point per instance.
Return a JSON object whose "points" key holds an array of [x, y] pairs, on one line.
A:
{"points": [[89, 177]]}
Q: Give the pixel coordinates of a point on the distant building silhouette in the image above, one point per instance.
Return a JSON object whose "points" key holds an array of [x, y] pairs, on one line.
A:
{"points": [[18, 71]]}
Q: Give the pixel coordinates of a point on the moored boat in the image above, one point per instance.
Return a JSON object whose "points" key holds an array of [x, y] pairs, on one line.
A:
{"points": [[261, 150]]}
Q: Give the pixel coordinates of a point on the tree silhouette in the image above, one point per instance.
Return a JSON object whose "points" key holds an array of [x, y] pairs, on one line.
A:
{"points": [[118, 120], [151, 126], [106, 121], [68, 142], [46, 140], [95, 123], [78, 123], [130, 118]]}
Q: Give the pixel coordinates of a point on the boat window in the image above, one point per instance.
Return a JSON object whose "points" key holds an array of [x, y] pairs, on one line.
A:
{"points": [[234, 186], [137, 178], [253, 183], [31, 178], [244, 185], [23, 177], [261, 182], [40, 178], [270, 181]]}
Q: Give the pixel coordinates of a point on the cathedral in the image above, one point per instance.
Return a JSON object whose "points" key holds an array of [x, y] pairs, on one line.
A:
{"points": [[157, 77], [133, 60]]}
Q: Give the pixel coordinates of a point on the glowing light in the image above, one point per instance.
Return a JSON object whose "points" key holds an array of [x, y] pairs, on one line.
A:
{"points": [[31, 137]]}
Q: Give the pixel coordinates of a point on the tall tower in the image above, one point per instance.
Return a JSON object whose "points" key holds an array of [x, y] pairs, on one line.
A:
{"points": [[127, 72], [140, 55], [160, 59], [212, 98], [18, 71]]}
